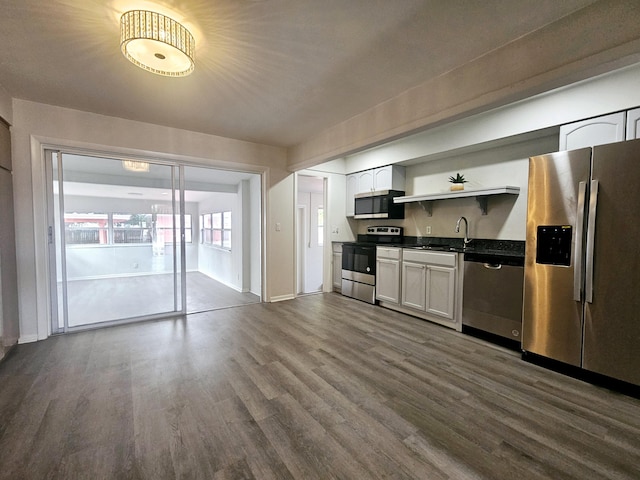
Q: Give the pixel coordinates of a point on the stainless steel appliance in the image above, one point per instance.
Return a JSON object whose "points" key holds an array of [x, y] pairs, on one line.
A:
{"points": [[379, 205], [582, 267], [492, 298], [359, 262]]}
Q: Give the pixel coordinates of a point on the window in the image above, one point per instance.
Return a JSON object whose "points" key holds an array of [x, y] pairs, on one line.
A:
{"points": [[126, 228], [205, 232], [164, 228], [216, 229], [86, 228], [226, 230], [131, 228]]}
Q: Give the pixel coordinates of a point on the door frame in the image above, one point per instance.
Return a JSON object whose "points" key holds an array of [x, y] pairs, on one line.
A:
{"points": [[43, 272], [59, 236], [300, 260]]}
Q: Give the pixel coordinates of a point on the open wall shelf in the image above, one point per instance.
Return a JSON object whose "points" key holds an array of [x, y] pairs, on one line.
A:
{"points": [[481, 195]]}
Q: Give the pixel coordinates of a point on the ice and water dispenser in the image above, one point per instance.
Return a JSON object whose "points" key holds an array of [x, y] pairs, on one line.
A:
{"points": [[554, 245]]}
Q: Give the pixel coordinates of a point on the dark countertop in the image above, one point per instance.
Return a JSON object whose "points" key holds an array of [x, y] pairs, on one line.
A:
{"points": [[478, 249]]}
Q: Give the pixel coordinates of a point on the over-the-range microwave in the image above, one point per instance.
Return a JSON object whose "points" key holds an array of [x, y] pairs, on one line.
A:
{"points": [[378, 204]]}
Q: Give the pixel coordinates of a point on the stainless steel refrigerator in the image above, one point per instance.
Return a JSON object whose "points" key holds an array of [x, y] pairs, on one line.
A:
{"points": [[582, 261]]}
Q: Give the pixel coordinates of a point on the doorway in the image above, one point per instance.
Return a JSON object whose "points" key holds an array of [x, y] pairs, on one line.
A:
{"points": [[310, 234], [139, 239]]}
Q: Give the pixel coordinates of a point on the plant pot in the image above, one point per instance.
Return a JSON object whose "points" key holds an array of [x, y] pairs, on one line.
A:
{"points": [[457, 186]]}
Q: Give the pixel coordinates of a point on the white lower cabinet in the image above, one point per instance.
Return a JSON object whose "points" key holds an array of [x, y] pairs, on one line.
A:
{"points": [[414, 283], [337, 266], [441, 290], [388, 279], [428, 285]]}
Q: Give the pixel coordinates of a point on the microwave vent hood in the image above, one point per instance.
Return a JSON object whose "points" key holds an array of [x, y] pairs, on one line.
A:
{"points": [[378, 204]]}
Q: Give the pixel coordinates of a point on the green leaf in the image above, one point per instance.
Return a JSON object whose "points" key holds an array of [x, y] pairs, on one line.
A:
{"points": [[457, 179]]}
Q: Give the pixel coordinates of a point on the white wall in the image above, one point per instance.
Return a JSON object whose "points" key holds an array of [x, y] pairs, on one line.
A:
{"points": [[280, 239], [6, 106], [36, 125], [492, 149], [500, 166], [600, 95]]}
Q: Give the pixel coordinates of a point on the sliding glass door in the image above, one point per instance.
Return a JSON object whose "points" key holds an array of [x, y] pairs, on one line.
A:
{"points": [[137, 239], [119, 244]]}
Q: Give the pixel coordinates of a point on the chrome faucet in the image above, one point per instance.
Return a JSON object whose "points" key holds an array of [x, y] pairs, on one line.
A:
{"points": [[466, 230]]}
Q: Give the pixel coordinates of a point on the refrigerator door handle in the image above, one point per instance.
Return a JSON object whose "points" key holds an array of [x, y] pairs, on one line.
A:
{"points": [[591, 238], [577, 259]]}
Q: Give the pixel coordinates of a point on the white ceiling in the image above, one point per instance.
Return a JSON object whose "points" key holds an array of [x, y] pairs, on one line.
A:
{"points": [[270, 71], [107, 178]]}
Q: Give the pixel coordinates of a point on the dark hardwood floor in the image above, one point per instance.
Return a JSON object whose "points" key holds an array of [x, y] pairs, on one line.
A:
{"points": [[315, 388]]}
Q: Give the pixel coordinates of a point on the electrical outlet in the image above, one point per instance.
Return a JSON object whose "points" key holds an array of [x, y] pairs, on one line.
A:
{"points": [[428, 229]]}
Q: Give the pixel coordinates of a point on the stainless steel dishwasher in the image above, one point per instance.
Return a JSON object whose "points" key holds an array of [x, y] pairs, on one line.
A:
{"points": [[492, 294]]}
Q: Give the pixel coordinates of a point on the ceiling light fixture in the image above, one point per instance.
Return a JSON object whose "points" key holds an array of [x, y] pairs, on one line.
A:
{"points": [[135, 166], [157, 43]]}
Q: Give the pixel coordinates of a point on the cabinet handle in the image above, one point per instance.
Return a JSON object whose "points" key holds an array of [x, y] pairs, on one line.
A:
{"points": [[591, 238], [492, 266]]}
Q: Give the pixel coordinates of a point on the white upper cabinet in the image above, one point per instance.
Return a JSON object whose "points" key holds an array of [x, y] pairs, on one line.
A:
{"points": [[633, 124], [365, 181], [595, 131], [352, 189], [390, 177]]}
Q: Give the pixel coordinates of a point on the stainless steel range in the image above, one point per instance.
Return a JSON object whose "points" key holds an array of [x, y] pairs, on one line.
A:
{"points": [[359, 262]]}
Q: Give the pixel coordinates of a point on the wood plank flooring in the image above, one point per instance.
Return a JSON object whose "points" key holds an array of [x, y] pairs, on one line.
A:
{"points": [[320, 387]]}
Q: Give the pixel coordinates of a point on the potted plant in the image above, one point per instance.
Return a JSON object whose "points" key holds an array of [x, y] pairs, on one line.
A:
{"points": [[457, 182]]}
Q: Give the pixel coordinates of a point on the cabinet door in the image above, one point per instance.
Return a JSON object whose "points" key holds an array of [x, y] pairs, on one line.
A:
{"points": [[337, 271], [365, 181], [382, 178], [414, 277], [352, 189], [388, 280], [441, 290], [633, 124], [595, 131]]}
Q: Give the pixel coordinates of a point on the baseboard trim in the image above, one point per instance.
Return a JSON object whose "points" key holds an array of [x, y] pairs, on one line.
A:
{"points": [[281, 298], [27, 339]]}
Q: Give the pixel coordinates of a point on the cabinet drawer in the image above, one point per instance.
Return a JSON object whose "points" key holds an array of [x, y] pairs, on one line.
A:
{"points": [[432, 258], [388, 252]]}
